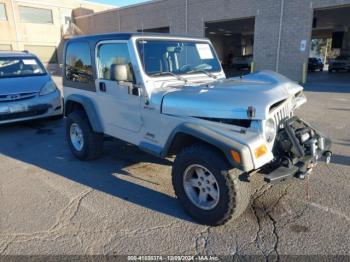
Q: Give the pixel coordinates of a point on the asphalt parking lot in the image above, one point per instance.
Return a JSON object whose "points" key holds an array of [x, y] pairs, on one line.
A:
{"points": [[123, 203]]}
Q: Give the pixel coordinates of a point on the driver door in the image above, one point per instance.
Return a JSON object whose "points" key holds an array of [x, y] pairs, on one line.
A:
{"points": [[119, 106]]}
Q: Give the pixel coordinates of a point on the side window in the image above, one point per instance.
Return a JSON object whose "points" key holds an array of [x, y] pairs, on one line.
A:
{"points": [[78, 63], [111, 55]]}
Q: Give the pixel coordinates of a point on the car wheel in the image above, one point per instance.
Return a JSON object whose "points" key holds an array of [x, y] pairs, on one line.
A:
{"points": [[84, 143], [207, 189]]}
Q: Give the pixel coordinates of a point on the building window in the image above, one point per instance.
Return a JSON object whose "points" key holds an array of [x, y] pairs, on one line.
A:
{"points": [[67, 20], [35, 15], [164, 30], [113, 54], [78, 63], [2, 12]]}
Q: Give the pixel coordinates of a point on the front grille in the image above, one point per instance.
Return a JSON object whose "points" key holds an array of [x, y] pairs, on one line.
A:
{"points": [[17, 97], [281, 112], [31, 113], [22, 115]]}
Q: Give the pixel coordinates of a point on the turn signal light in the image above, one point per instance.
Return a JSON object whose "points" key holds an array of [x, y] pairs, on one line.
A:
{"points": [[236, 156], [260, 151]]}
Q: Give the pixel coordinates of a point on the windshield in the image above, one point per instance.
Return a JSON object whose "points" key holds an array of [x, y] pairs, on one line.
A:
{"points": [[177, 57], [20, 66]]}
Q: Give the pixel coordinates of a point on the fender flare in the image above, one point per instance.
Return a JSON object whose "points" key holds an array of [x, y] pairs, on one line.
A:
{"points": [[89, 108], [215, 139]]}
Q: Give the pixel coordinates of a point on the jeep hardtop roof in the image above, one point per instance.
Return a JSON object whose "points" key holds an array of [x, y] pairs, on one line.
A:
{"points": [[126, 36]]}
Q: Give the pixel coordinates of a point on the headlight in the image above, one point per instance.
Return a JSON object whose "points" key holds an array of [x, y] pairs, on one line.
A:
{"points": [[48, 88], [270, 130]]}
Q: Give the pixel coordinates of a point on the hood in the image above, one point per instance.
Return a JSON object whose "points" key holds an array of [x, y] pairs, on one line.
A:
{"points": [[230, 98], [28, 84]]}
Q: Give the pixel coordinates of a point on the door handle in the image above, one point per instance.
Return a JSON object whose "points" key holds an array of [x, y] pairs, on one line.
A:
{"points": [[102, 86]]}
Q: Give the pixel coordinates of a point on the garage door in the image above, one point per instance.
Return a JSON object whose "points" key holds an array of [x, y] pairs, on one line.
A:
{"points": [[47, 54], [5, 47]]}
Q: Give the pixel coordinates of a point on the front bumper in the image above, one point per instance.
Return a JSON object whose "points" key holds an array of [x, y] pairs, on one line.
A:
{"points": [[30, 109], [298, 149]]}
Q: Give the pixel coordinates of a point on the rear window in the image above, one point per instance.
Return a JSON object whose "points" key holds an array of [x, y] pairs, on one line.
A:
{"points": [[20, 67], [78, 67]]}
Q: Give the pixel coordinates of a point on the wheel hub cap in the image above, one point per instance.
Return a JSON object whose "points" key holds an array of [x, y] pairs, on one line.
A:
{"points": [[201, 187], [76, 137]]}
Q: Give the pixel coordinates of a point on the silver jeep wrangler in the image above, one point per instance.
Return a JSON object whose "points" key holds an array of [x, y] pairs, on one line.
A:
{"points": [[169, 96]]}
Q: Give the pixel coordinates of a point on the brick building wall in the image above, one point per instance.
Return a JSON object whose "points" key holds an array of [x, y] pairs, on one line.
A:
{"points": [[272, 50]]}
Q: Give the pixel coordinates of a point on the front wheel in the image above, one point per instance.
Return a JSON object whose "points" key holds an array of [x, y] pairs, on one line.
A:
{"points": [[208, 191]]}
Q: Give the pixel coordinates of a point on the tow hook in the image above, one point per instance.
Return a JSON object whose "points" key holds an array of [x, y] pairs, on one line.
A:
{"points": [[302, 175], [328, 156]]}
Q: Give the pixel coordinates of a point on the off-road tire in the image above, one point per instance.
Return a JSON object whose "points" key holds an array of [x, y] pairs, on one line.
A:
{"points": [[93, 142], [234, 191]]}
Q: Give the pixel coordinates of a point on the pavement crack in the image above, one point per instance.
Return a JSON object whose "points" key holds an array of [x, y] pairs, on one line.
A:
{"points": [[117, 236], [66, 215], [256, 196], [64, 218], [201, 242], [274, 231], [262, 212], [5, 245]]}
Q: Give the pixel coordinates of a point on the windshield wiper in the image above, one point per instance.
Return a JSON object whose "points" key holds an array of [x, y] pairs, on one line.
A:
{"points": [[172, 74], [202, 71]]}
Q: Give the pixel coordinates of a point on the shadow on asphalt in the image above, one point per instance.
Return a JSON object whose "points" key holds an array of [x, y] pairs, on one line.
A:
{"points": [[48, 150], [328, 82], [327, 88]]}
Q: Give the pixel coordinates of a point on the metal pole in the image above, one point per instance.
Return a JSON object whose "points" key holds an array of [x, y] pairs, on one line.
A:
{"points": [[119, 21], [326, 52], [186, 14], [279, 37], [304, 77]]}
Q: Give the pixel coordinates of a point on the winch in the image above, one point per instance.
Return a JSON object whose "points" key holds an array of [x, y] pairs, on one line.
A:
{"points": [[297, 149]]}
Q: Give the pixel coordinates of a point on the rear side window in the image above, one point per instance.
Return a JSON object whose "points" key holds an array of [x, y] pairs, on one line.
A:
{"points": [[78, 66]]}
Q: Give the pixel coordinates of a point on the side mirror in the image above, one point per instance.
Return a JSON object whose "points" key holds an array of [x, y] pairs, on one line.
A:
{"points": [[119, 73]]}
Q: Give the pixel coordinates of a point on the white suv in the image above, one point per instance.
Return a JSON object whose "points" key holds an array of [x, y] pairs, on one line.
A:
{"points": [[169, 96]]}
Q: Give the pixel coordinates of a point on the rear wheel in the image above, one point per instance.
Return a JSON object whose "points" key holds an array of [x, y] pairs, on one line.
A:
{"points": [[84, 143], [208, 190]]}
